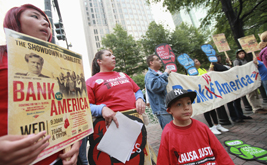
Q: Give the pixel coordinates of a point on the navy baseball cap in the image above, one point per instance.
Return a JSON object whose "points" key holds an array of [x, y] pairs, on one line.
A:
{"points": [[176, 94]]}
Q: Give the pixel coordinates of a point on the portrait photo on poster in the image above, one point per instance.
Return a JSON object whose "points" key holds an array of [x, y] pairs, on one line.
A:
{"points": [[35, 65]]}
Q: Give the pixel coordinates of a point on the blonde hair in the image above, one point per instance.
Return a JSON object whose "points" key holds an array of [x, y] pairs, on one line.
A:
{"points": [[263, 38]]}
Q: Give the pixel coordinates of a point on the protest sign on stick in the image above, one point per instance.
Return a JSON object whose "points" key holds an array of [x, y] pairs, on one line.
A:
{"points": [[188, 64], [221, 44], [166, 55], [46, 91], [249, 44], [210, 52]]}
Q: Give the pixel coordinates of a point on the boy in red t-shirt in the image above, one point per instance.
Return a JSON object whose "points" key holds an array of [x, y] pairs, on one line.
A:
{"points": [[186, 140]]}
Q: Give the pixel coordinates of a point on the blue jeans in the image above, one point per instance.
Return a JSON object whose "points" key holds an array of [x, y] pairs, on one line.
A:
{"points": [[82, 151], [264, 84], [164, 119]]}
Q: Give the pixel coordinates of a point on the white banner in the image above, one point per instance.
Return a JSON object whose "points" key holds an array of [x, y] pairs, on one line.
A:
{"points": [[215, 89]]}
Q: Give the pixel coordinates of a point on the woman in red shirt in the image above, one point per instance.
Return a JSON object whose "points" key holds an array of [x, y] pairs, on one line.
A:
{"points": [[24, 149]]}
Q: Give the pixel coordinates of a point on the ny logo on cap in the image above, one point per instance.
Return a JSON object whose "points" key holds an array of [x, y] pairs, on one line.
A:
{"points": [[177, 91]]}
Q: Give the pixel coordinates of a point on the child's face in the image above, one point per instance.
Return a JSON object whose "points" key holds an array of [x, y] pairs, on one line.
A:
{"points": [[241, 55], [181, 110]]}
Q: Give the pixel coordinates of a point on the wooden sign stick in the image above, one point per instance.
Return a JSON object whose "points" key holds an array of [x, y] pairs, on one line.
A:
{"points": [[227, 57], [66, 150]]}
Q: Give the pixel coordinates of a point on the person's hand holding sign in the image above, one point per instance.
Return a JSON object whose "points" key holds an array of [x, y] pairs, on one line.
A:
{"points": [[22, 149], [70, 157], [167, 71], [109, 115]]}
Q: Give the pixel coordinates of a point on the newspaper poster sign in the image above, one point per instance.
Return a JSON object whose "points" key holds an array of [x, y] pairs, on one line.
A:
{"points": [[249, 43], [46, 91], [221, 42]]}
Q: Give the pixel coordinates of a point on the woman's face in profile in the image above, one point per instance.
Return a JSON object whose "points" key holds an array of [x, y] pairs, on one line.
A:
{"points": [[108, 60], [33, 23]]}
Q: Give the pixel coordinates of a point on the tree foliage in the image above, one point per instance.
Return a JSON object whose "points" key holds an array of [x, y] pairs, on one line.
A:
{"points": [[129, 58], [184, 39], [235, 18], [156, 34], [139, 79]]}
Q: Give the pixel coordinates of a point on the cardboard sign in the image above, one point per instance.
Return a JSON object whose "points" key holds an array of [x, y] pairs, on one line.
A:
{"points": [[188, 64], [221, 42], [166, 55], [210, 52], [46, 91], [249, 43]]}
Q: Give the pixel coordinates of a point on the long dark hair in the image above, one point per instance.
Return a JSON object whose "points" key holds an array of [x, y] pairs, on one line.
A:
{"points": [[95, 65]]}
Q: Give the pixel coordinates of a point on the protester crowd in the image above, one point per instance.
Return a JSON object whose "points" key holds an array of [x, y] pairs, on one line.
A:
{"points": [[110, 92], [71, 84]]}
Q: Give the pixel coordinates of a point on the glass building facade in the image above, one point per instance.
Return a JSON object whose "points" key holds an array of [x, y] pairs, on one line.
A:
{"points": [[101, 16]]}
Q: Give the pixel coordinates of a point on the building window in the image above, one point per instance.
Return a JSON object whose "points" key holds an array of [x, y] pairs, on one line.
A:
{"points": [[96, 38], [107, 31], [94, 22], [95, 31], [93, 16]]}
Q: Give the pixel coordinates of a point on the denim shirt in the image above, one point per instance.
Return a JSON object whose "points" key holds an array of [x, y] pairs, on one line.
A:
{"points": [[156, 90]]}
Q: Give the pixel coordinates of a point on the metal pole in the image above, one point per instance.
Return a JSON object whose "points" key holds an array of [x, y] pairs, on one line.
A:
{"points": [[60, 20], [48, 12]]}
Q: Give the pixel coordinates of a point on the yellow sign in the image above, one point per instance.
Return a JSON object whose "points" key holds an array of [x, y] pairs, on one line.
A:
{"points": [[249, 43], [221, 42], [46, 91]]}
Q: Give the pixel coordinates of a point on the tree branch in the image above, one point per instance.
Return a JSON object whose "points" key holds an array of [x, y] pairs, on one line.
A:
{"points": [[256, 25], [248, 13], [240, 10]]}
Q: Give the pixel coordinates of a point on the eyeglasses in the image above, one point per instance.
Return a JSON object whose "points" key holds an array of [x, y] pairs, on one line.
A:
{"points": [[156, 59]]}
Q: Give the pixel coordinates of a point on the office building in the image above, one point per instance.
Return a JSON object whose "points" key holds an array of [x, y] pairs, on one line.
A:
{"points": [[186, 17], [101, 16]]}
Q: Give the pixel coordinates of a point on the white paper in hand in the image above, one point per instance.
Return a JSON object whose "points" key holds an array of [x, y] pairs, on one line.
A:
{"points": [[118, 142]]}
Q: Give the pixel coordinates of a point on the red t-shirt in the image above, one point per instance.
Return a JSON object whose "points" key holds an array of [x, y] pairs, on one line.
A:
{"points": [[114, 89], [192, 144], [4, 106]]}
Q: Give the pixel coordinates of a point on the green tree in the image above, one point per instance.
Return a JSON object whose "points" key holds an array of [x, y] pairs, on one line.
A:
{"points": [[139, 79], [184, 39], [188, 39], [127, 51], [241, 15], [155, 35]]}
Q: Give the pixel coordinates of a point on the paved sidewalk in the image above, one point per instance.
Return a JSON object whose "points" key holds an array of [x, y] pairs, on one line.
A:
{"points": [[253, 132]]}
